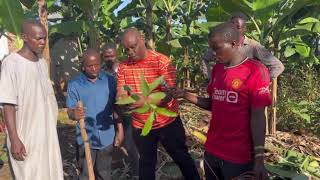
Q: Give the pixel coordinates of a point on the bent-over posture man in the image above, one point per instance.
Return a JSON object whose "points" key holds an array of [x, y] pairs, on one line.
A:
{"points": [[167, 130]]}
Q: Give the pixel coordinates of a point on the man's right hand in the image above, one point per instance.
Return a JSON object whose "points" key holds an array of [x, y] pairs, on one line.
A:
{"points": [[176, 92], [78, 113], [18, 151]]}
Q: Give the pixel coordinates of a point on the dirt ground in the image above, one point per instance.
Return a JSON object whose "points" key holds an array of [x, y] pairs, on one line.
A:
{"points": [[66, 135]]}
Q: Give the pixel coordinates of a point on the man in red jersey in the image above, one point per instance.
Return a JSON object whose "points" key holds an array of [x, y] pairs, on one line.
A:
{"points": [[238, 94], [167, 130]]}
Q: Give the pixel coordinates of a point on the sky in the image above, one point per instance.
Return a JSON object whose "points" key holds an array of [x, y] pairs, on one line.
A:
{"points": [[124, 3]]}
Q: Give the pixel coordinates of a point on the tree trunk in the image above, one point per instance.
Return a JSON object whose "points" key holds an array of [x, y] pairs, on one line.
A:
{"points": [[43, 16], [187, 72], [94, 41], [149, 28], [272, 122], [168, 27]]}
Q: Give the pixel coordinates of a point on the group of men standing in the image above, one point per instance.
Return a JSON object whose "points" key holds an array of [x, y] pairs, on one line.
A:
{"points": [[238, 89]]}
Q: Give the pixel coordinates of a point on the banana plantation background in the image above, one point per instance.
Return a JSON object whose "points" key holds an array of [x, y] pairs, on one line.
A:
{"points": [[290, 29]]}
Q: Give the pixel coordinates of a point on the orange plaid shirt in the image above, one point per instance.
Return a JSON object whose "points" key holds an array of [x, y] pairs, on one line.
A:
{"points": [[153, 66]]}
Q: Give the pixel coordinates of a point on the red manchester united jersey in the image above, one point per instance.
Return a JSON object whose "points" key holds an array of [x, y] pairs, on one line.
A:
{"points": [[234, 92]]}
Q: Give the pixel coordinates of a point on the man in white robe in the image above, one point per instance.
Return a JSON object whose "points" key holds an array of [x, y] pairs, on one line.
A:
{"points": [[30, 110]]}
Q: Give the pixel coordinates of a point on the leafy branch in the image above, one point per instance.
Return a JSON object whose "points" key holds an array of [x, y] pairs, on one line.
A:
{"points": [[152, 99]]}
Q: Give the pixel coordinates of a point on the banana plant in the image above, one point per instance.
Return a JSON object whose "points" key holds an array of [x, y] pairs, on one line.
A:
{"points": [[151, 100]]}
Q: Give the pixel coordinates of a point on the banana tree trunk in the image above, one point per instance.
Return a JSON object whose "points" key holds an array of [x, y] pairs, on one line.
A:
{"points": [[94, 41], [149, 28], [187, 72], [43, 16], [168, 27]]}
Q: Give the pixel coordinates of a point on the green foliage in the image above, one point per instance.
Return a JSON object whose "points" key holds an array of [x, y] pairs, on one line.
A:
{"points": [[151, 101], [11, 16], [144, 86], [298, 101], [126, 100], [148, 125], [294, 163]]}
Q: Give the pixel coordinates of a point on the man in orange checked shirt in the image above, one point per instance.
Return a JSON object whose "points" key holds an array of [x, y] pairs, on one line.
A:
{"points": [[168, 130]]}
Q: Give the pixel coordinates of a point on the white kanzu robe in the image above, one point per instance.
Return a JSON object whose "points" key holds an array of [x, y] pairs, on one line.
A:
{"points": [[27, 85]]}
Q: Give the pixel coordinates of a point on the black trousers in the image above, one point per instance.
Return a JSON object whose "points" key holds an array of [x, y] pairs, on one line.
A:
{"points": [[173, 138], [218, 169], [101, 160], [133, 158]]}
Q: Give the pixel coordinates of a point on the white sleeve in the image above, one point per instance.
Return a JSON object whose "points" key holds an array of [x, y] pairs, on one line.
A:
{"points": [[8, 83]]}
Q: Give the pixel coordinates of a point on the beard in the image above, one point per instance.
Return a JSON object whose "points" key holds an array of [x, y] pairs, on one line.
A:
{"points": [[109, 64]]}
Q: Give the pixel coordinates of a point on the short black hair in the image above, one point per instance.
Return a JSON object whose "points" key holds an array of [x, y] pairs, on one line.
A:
{"points": [[228, 31], [109, 46], [240, 15]]}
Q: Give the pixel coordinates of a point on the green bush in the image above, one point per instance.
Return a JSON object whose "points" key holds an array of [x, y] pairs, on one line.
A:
{"points": [[299, 101]]}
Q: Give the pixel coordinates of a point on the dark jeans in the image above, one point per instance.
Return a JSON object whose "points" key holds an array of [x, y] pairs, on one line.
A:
{"points": [[101, 160], [173, 138], [218, 169]]}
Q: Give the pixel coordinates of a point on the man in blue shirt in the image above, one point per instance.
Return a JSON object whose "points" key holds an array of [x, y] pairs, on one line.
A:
{"points": [[97, 91]]}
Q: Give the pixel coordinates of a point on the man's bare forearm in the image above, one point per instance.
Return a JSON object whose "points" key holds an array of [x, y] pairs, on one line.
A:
{"points": [[118, 120], [10, 120], [202, 102], [258, 130]]}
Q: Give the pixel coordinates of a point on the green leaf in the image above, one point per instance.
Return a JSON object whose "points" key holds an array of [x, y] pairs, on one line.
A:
{"points": [[175, 43], [303, 102], [217, 14], [145, 108], [316, 28], [280, 172], [144, 87], [125, 100], [289, 51], [148, 125], [153, 106], [309, 20], [156, 83], [108, 7], [156, 97], [135, 97], [127, 88], [303, 50], [124, 23], [85, 5], [166, 112], [11, 15], [306, 117]]}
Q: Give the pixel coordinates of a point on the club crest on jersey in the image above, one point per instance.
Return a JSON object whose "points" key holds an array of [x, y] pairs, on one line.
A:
{"points": [[236, 84]]}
